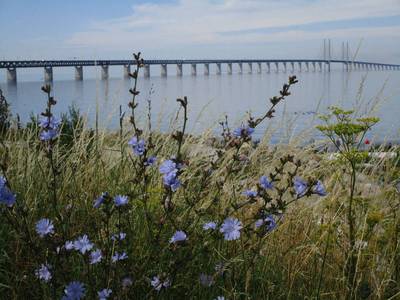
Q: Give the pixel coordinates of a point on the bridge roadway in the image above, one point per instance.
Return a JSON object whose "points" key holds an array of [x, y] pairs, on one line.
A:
{"points": [[323, 65]]}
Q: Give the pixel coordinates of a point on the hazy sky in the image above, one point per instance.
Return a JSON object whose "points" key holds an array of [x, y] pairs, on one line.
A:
{"points": [[55, 29]]}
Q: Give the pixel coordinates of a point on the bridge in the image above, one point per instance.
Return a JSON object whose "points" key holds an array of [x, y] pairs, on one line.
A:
{"points": [[284, 65]]}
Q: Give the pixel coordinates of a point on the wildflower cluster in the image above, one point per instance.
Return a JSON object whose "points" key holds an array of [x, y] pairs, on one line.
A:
{"points": [[49, 124], [197, 221], [170, 170]]}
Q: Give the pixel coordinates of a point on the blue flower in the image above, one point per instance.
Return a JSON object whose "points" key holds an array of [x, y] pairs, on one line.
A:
{"points": [[206, 280], [43, 273], [69, 245], [300, 186], [99, 201], [117, 256], [95, 257], [243, 131], [138, 146], [47, 135], [150, 161], [83, 244], [265, 183], [126, 282], [319, 189], [259, 223], [172, 181], [53, 123], [74, 291], [118, 237], [250, 193], [231, 229], [44, 227], [3, 182], [157, 284], [120, 200], [210, 225], [6, 196], [179, 236], [269, 222], [104, 294], [167, 167]]}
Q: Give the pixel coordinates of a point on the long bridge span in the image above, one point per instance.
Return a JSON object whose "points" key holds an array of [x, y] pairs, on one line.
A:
{"points": [[284, 65]]}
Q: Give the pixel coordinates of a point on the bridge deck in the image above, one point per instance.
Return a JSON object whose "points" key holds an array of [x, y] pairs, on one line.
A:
{"points": [[75, 63]]}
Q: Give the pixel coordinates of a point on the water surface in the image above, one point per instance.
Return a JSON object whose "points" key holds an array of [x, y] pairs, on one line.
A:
{"points": [[211, 97]]}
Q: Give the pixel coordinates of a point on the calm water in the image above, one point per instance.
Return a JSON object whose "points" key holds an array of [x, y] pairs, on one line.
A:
{"points": [[211, 97]]}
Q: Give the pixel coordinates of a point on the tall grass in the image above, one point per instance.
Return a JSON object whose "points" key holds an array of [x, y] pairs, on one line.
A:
{"points": [[304, 256]]}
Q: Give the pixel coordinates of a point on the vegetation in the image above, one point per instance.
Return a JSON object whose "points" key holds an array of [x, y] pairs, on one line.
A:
{"points": [[139, 214]]}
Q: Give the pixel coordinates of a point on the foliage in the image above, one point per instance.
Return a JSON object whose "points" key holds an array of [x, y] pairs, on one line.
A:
{"points": [[347, 134], [151, 215]]}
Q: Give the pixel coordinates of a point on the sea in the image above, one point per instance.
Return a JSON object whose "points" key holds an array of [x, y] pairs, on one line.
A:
{"points": [[213, 98]]}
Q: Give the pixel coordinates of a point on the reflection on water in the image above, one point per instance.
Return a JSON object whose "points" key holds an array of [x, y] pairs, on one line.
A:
{"points": [[216, 95]]}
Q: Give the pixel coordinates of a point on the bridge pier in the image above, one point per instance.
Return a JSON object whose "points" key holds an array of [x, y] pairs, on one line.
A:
{"points": [[11, 75], [48, 74], [299, 66], [179, 70], [259, 68], [314, 68], [146, 72], [250, 67], [268, 67], [240, 68], [292, 64], [284, 67], [104, 72], [164, 70], [194, 70], [79, 73], [229, 68], [127, 70], [320, 66], [276, 67], [206, 69], [307, 67], [219, 69]]}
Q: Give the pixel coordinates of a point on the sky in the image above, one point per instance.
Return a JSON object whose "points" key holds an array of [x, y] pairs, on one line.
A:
{"points": [[168, 29]]}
